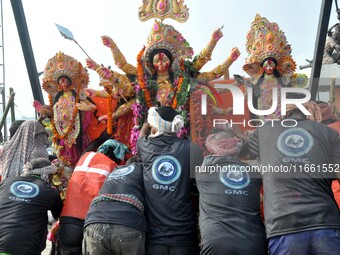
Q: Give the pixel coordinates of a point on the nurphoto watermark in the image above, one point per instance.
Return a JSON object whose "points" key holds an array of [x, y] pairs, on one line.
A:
{"points": [[239, 109]]}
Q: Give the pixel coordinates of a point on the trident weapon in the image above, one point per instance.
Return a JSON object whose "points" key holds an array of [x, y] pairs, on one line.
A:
{"points": [[67, 34]]}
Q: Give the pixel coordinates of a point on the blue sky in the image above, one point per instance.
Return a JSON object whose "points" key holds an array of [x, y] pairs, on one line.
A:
{"points": [[89, 20]]}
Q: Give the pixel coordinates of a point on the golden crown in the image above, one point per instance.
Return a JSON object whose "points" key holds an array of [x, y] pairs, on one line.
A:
{"points": [[166, 37], [162, 9], [62, 64], [266, 39]]}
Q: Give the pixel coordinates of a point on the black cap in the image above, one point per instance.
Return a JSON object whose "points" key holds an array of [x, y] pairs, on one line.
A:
{"points": [[167, 113]]}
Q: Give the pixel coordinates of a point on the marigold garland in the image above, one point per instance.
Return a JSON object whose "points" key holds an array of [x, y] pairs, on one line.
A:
{"points": [[56, 134], [141, 80], [109, 111], [180, 82]]}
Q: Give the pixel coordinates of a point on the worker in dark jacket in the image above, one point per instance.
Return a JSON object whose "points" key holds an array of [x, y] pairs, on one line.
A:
{"points": [[24, 202]]}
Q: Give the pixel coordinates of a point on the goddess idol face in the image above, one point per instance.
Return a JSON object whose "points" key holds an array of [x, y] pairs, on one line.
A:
{"points": [[64, 83], [269, 66], [161, 62]]}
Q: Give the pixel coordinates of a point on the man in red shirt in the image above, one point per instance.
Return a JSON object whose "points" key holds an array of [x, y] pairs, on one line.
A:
{"points": [[84, 185]]}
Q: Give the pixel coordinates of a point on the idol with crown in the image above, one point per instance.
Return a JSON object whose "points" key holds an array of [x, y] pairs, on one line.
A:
{"points": [[269, 64], [70, 110], [164, 74]]}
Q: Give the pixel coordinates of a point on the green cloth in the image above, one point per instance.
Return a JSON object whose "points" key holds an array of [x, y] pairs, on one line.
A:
{"points": [[119, 149]]}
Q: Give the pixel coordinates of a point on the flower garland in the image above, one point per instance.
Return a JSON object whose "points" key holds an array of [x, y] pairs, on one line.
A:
{"points": [[179, 86], [140, 76], [109, 110], [56, 134], [180, 82]]}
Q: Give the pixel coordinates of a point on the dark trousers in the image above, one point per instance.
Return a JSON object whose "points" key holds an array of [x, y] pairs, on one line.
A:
{"points": [[113, 239], [70, 236], [311, 242]]}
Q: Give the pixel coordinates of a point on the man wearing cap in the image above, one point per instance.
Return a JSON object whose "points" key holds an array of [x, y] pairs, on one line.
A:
{"points": [[24, 202], [115, 223], [84, 185], [301, 215], [169, 164], [229, 200]]}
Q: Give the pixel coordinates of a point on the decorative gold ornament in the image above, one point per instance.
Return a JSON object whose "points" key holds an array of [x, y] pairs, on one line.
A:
{"points": [[266, 40], [166, 37], [162, 9], [62, 64]]}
